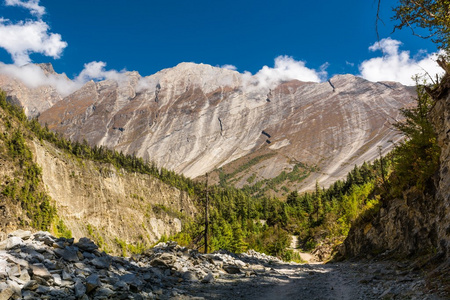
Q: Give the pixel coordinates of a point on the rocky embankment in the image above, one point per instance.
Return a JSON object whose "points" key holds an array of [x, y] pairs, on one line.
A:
{"points": [[40, 266]]}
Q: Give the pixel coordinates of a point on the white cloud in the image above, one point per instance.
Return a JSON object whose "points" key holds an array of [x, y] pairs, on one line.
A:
{"points": [[229, 67], [286, 68], [32, 5], [96, 71], [398, 65], [23, 38], [33, 76]]}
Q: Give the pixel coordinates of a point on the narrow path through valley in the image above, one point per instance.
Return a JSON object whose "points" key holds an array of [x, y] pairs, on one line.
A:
{"points": [[306, 257]]}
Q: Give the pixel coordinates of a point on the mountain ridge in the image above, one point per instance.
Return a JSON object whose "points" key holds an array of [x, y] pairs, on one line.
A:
{"points": [[195, 118]]}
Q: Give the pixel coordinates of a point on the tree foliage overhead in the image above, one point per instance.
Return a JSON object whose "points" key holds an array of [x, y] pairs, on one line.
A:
{"points": [[431, 15]]}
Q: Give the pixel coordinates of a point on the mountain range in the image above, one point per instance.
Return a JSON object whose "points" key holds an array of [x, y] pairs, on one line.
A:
{"points": [[244, 130]]}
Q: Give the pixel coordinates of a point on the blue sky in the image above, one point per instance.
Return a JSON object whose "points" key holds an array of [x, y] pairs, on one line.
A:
{"points": [[327, 37]]}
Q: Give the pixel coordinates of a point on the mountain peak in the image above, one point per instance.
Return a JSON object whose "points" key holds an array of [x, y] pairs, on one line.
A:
{"points": [[47, 68]]}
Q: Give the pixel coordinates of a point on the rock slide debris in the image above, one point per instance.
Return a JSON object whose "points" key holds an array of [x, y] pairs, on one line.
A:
{"points": [[40, 266]]}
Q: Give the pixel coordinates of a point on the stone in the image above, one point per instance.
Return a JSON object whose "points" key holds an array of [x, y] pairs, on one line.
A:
{"points": [[29, 295], [57, 279], [11, 242], [44, 237], [41, 271], [189, 276], [16, 288], [43, 290], [208, 278], [121, 285], [66, 274], [6, 293], [31, 285], [68, 254], [231, 269], [23, 234], [101, 262], [92, 282], [79, 288], [86, 244], [103, 292], [165, 260]]}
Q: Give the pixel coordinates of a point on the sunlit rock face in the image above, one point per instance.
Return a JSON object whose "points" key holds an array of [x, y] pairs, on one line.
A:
{"points": [[196, 118]]}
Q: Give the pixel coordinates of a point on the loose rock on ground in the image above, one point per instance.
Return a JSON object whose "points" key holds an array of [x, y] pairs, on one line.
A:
{"points": [[40, 266]]}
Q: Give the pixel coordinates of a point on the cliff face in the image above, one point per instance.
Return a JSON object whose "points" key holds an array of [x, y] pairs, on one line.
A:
{"points": [[417, 223], [111, 206], [197, 118], [101, 202]]}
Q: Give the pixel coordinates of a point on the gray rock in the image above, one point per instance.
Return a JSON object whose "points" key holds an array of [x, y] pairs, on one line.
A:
{"points": [[189, 276], [16, 288], [103, 292], [23, 234], [31, 285], [208, 278], [57, 279], [92, 282], [41, 271], [121, 286], [29, 295], [45, 237], [68, 254], [86, 244], [101, 262], [231, 269], [66, 274], [11, 243], [79, 288], [43, 290], [165, 260]]}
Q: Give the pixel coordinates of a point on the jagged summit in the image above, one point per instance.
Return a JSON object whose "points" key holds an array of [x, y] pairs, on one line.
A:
{"points": [[47, 68]]}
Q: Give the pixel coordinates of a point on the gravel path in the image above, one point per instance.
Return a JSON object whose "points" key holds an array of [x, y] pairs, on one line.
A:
{"points": [[316, 281]]}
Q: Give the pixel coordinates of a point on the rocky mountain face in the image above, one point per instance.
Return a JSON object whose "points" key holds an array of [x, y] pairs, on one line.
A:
{"points": [[111, 206], [418, 223], [197, 118]]}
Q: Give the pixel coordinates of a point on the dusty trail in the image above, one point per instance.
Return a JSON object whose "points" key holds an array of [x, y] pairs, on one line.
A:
{"points": [[283, 281]]}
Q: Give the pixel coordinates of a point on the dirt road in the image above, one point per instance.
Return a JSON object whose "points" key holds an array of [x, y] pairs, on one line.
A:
{"points": [[316, 281]]}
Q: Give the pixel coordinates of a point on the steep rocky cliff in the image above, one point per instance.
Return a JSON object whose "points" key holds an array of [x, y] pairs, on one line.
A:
{"points": [[418, 223], [112, 206], [197, 118]]}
